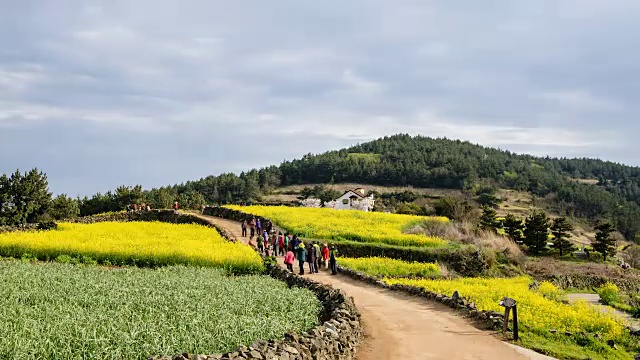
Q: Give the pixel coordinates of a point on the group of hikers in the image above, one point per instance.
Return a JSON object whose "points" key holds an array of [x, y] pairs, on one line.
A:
{"points": [[291, 247]]}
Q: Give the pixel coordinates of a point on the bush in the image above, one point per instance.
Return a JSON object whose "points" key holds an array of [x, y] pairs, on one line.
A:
{"points": [[466, 260], [63, 259], [550, 291], [47, 225], [609, 293]]}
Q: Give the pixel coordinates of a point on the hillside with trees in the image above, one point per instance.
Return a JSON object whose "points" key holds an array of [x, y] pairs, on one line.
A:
{"points": [[403, 160], [612, 194]]}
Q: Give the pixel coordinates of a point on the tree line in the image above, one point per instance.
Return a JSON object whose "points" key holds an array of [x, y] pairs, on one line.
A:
{"points": [[25, 198], [537, 230], [403, 160]]}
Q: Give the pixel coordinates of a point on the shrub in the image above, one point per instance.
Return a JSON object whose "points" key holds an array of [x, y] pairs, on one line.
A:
{"points": [[550, 291], [47, 225], [63, 259], [609, 293]]}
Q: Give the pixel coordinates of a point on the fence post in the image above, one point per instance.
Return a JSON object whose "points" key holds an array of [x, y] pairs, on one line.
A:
{"points": [[508, 304], [515, 322]]}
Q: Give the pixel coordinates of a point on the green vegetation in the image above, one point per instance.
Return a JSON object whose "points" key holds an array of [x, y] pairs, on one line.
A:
{"points": [[560, 229], [385, 267], [422, 162], [609, 293], [57, 311], [536, 232], [605, 244]]}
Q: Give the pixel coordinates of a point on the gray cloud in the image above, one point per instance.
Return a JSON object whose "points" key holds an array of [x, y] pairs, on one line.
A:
{"points": [[155, 92]]}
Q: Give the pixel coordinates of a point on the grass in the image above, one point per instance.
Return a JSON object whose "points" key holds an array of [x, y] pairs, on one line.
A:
{"points": [[135, 243], [330, 224], [59, 311], [384, 267]]}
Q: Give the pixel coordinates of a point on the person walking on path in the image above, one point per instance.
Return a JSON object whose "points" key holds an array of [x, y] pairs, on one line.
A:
{"points": [[281, 246], [318, 256], [295, 242], [288, 260], [175, 206], [258, 226], [274, 244], [260, 244], [333, 260], [244, 228], [302, 255], [287, 241], [311, 258], [325, 256]]}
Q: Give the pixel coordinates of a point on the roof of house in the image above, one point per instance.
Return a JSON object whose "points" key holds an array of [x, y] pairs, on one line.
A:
{"points": [[354, 192]]}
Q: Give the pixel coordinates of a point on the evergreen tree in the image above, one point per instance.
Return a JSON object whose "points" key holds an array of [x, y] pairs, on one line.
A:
{"points": [[489, 220], [536, 232], [513, 227], [486, 196], [560, 228], [64, 207], [6, 206], [605, 244]]}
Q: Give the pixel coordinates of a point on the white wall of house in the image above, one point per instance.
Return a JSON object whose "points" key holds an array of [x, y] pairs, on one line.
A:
{"points": [[352, 201]]}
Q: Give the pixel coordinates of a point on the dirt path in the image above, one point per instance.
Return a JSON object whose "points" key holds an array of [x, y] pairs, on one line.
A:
{"points": [[399, 326]]}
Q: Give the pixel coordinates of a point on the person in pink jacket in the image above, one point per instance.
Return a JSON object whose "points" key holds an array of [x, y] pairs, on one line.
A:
{"points": [[289, 258]]}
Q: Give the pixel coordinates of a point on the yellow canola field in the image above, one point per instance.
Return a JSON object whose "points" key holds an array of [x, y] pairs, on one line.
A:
{"points": [[376, 266], [536, 312], [323, 223], [135, 243]]}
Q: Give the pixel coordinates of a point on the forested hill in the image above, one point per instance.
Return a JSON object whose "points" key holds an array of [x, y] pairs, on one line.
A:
{"points": [[426, 162]]}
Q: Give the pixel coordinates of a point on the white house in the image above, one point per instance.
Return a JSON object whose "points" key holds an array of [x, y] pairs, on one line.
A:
{"points": [[354, 200]]}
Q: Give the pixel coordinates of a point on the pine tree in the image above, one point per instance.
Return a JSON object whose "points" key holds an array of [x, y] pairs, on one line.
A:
{"points": [[64, 207], [605, 244], [560, 229], [513, 227], [489, 220], [536, 232]]}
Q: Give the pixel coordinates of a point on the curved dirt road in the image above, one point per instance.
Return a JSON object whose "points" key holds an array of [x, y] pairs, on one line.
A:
{"points": [[399, 326]]}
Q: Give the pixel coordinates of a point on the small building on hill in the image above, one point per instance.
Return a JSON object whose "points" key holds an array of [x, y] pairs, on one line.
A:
{"points": [[355, 200]]}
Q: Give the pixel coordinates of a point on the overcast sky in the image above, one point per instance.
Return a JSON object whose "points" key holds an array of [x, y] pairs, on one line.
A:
{"points": [[155, 92]]}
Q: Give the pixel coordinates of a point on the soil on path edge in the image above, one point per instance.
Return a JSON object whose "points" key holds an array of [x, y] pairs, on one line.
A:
{"points": [[399, 326]]}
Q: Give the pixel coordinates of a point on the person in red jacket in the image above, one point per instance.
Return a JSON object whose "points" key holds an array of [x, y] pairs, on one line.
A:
{"points": [[281, 248], [175, 206], [325, 255], [289, 259]]}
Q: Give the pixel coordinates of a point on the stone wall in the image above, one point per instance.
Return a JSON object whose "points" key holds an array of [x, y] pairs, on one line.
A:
{"points": [[337, 337]]}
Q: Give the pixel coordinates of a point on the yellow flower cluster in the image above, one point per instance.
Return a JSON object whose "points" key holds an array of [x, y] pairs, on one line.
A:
{"points": [[376, 266], [323, 223], [135, 243], [535, 311]]}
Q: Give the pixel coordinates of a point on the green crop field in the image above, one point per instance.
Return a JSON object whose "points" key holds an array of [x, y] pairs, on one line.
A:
{"points": [[62, 311]]}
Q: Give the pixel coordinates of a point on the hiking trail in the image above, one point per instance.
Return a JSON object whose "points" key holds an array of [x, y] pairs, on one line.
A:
{"points": [[399, 326]]}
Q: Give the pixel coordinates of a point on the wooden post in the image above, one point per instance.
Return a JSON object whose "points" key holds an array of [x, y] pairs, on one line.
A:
{"points": [[515, 322], [505, 325], [508, 304]]}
